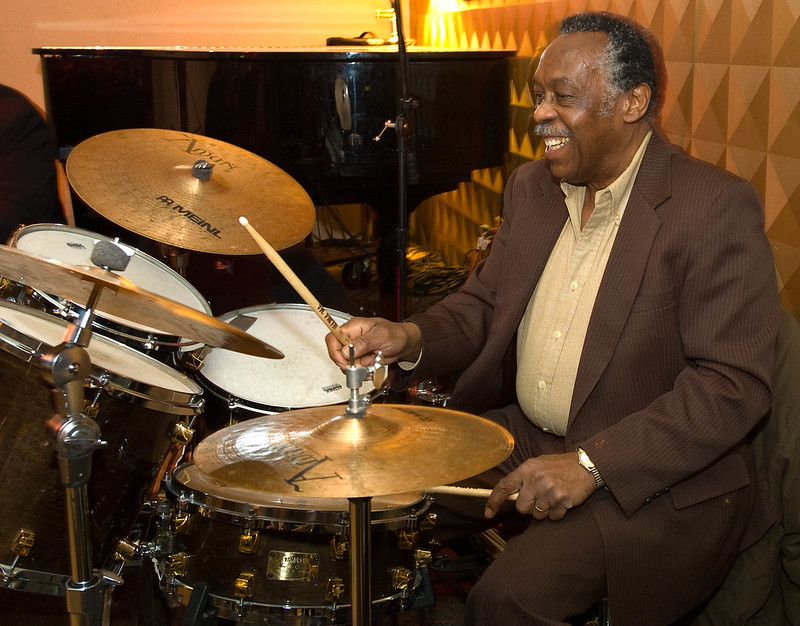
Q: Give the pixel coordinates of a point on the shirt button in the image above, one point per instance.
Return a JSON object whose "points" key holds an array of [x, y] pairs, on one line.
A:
{"points": [[542, 384], [573, 285], [556, 334]]}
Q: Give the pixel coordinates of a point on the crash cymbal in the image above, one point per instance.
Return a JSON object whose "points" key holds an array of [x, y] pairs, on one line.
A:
{"points": [[145, 180], [120, 297], [322, 452]]}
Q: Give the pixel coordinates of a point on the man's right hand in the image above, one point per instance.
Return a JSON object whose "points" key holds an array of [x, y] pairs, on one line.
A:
{"points": [[396, 341]]}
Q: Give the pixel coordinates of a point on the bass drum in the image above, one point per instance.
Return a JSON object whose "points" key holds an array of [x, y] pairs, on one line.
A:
{"points": [[135, 400], [74, 247], [267, 559], [240, 386]]}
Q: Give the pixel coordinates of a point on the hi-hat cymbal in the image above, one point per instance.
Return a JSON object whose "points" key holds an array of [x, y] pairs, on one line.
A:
{"points": [[122, 298], [321, 452], [145, 180]]}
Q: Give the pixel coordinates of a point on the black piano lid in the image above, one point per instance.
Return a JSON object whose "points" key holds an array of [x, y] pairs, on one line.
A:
{"points": [[334, 53]]}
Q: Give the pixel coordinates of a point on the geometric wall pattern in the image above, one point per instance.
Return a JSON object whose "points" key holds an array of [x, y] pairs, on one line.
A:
{"points": [[733, 99]]}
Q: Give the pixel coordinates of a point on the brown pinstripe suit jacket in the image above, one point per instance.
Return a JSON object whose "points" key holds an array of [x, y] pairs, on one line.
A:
{"points": [[675, 368]]}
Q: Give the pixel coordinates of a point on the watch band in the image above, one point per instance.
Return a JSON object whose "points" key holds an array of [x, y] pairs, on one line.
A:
{"points": [[585, 462]]}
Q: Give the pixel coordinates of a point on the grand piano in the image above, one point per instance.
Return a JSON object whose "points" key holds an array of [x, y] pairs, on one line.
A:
{"points": [[314, 112]]}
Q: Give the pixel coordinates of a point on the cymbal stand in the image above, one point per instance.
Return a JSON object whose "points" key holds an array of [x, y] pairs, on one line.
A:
{"points": [[360, 513], [76, 437]]}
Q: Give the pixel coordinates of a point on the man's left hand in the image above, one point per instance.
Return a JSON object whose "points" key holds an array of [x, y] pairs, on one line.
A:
{"points": [[547, 486]]}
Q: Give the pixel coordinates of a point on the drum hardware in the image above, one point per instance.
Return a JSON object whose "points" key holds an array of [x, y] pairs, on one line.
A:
{"points": [[402, 578], [76, 437], [244, 585], [334, 590], [149, 181], [126, 551], [180, 436]]}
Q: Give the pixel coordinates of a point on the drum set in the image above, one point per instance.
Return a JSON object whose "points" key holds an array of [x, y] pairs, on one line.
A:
{"points": [[304, 502]]}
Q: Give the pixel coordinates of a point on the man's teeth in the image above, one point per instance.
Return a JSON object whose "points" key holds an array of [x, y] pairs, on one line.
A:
{"points": [[553, 143]]}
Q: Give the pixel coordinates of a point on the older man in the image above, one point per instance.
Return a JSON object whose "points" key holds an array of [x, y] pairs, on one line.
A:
{"points": [[623, 330]]}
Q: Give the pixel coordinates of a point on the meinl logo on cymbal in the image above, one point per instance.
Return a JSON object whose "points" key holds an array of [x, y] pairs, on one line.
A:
{"points": [[189, 215]]}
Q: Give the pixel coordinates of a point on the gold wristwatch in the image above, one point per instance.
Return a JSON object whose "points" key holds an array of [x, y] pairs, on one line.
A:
{"points": [[586, 463]]}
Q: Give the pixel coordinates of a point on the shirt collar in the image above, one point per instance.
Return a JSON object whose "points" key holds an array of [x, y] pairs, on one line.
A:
{"points": [[612, 200]]}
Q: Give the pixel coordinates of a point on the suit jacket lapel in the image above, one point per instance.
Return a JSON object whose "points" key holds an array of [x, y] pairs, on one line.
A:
{"points": [[547, 216], [625, 269]]}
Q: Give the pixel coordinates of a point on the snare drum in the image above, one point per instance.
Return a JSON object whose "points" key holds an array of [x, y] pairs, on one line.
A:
{"points": [[135, 401], [74, 247], [240, 386], [280, 560]]}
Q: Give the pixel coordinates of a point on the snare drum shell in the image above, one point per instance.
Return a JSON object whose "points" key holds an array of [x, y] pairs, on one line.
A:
{"points": [[292, 563]]}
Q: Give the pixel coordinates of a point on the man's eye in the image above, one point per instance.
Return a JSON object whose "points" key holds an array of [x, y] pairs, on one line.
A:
{"points": [[538, 98]]}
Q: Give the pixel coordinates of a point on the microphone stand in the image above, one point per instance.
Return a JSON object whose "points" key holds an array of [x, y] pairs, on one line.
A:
{"points": [[406, 163]]}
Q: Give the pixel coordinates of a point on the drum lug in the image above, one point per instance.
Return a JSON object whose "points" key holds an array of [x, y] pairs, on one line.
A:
{"points": [[126, 551], [334, 590], [175, 565], [402, 578], [181, 523], [407, 539], [340, 547], [23, 542], [248, 541], [428, 522], [422, 558], [244, 585], [181, 433]]}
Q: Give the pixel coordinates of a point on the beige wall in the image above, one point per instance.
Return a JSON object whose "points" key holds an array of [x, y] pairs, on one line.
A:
{"points": [[28, 24], [733, 100]]}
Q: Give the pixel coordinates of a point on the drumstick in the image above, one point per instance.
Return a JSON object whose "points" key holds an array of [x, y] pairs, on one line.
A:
{"points": [[473, 492], [295, 282]]}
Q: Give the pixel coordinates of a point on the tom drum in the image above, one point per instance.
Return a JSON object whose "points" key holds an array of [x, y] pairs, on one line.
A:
{"points": [[134, 399]]}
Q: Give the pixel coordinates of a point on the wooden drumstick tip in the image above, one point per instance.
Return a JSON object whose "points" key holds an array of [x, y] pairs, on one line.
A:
{"points": [[243, 220]]}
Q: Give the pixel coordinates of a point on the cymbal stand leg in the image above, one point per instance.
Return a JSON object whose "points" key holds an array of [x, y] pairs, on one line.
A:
{"points": [[76, 437], [360, 561]]}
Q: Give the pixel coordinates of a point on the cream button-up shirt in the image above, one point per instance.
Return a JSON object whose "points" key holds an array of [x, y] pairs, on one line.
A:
{"points": [[552, 331]]}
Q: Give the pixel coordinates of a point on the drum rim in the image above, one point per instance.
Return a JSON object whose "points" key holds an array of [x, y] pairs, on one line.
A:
{"points": [[230, 508], [116, 324], [144, 255], [236, 401]]}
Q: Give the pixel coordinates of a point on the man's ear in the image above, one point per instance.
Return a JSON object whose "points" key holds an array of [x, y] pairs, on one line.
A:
{"points": [[637, 102]]}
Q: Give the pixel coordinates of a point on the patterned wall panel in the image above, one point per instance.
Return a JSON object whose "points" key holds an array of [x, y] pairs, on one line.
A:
{"points": [[733, 100]]}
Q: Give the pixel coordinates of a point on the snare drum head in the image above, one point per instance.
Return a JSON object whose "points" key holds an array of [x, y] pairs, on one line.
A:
{"points": [[74, 247], [106, 355], [305, 377]]}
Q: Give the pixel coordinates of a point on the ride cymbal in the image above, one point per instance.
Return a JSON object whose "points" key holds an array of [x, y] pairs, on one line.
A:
{"points": [[152, 182], [321, 452], [122, 298]]}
